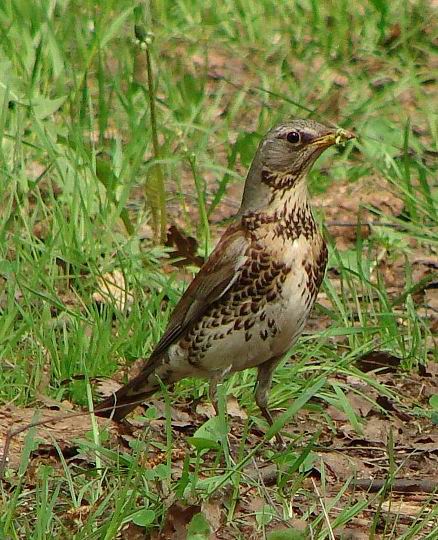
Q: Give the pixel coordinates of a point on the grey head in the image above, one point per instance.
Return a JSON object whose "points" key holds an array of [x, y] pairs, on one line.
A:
{"points": [[290, 148]]}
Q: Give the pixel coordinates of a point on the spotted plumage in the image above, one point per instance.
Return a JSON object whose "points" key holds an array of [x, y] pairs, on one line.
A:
{"points": [[249, 302]]}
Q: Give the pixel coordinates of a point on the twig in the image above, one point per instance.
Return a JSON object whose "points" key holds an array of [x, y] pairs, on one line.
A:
{"points": [[13, 432], [401, 485]]}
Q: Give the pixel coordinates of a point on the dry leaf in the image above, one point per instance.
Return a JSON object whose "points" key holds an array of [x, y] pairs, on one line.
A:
{"points": [[186, 248], [175, 524], [336, 414], [131, 531], [234, 409], [62, 428], [343, 466], [384, 361], [406, 508], [105, 387], [78, 515], [429, 370], [205, 408], [113, 290], [212, 513], [361, 405], [376, 431], [431, 301]]}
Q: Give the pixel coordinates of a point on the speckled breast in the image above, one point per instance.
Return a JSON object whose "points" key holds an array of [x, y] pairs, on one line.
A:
{"points": [[265, 310]]}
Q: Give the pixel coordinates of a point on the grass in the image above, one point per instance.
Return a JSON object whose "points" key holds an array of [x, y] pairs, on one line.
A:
{"points": [[81, 162]]}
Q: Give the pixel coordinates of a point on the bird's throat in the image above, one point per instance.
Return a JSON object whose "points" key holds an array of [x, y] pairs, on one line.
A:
{"points": [[286, 214]]}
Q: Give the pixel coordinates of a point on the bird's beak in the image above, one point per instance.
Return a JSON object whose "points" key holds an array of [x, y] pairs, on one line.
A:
{"points": [[335, 136]]}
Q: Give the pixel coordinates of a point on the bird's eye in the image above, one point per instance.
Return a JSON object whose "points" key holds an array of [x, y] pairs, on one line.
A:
{"points": [[293, 137]]}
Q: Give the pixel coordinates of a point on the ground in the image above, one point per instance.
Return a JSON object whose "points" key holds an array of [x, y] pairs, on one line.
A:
{"points": [[109, 206]]}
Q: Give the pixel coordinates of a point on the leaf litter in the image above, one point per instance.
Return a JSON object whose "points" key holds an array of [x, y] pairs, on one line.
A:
{"points": [[341, 455]]}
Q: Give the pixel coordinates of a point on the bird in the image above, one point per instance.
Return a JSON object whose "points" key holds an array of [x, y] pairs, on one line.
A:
{"points": [[249, 302]]}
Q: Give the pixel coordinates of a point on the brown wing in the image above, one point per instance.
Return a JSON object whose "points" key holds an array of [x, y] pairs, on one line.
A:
{"points": [[216, 276]]}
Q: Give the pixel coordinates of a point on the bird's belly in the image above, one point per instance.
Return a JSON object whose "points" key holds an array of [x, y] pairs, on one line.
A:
{"points": [[259, 336], [291, 314]]}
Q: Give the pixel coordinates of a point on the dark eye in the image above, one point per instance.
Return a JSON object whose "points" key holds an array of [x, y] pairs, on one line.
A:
{"points": [[293, 137]]}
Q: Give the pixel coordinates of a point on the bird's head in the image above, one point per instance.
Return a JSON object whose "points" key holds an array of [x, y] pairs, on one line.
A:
{"points": [[292, 147], [285, 155]]}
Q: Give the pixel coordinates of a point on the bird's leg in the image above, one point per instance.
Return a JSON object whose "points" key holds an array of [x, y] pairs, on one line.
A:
{"points": [[214, 381], [263, 385], [212, 391]]}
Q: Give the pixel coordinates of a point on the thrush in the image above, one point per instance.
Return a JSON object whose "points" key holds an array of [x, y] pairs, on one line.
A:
{"points": [[249, 302]]}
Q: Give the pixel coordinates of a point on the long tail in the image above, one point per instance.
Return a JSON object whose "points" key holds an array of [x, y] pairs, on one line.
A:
{"points": [[118, 405]]}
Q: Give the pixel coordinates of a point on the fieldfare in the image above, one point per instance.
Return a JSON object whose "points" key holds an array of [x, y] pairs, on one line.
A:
{"points": [[250, 300]]}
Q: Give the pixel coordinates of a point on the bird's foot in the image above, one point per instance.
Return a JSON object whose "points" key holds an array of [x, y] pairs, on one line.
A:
{"points": [[280, 443]]}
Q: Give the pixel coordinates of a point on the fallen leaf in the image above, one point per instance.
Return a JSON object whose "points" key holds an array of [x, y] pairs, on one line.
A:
{"points": [[431, 301], [105, 387], [212, 513], [429, 370], [336, 414], [205, 408], [186, 248], [361, 405], [131, 531], [376, 431], [234, 409], [381, 360], [178, 517], [113, 290], [390, 406], [342, 466], [406, 508], [78, 515], [428, 442], [61, 428]]}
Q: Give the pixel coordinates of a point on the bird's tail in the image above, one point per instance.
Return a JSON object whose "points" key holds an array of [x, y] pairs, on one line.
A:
{"points": [[129, 396]]}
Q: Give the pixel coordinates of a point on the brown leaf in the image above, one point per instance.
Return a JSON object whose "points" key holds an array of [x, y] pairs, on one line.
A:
{"points": [[205, 408], [390, 406], [234, 409], [78, 515], [336, 414], [255, 504], [428, 261], [428, 442], [431, 301], [185, 248], [131, 531], [342, 465], [378, 360], [429, 370], [175, 524], [361, 405], [376, 431], [212, 513], [61, 428], [105, 387]]}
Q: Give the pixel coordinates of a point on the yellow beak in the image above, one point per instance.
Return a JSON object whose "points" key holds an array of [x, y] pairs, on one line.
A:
{"points": [[338, 136]]}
